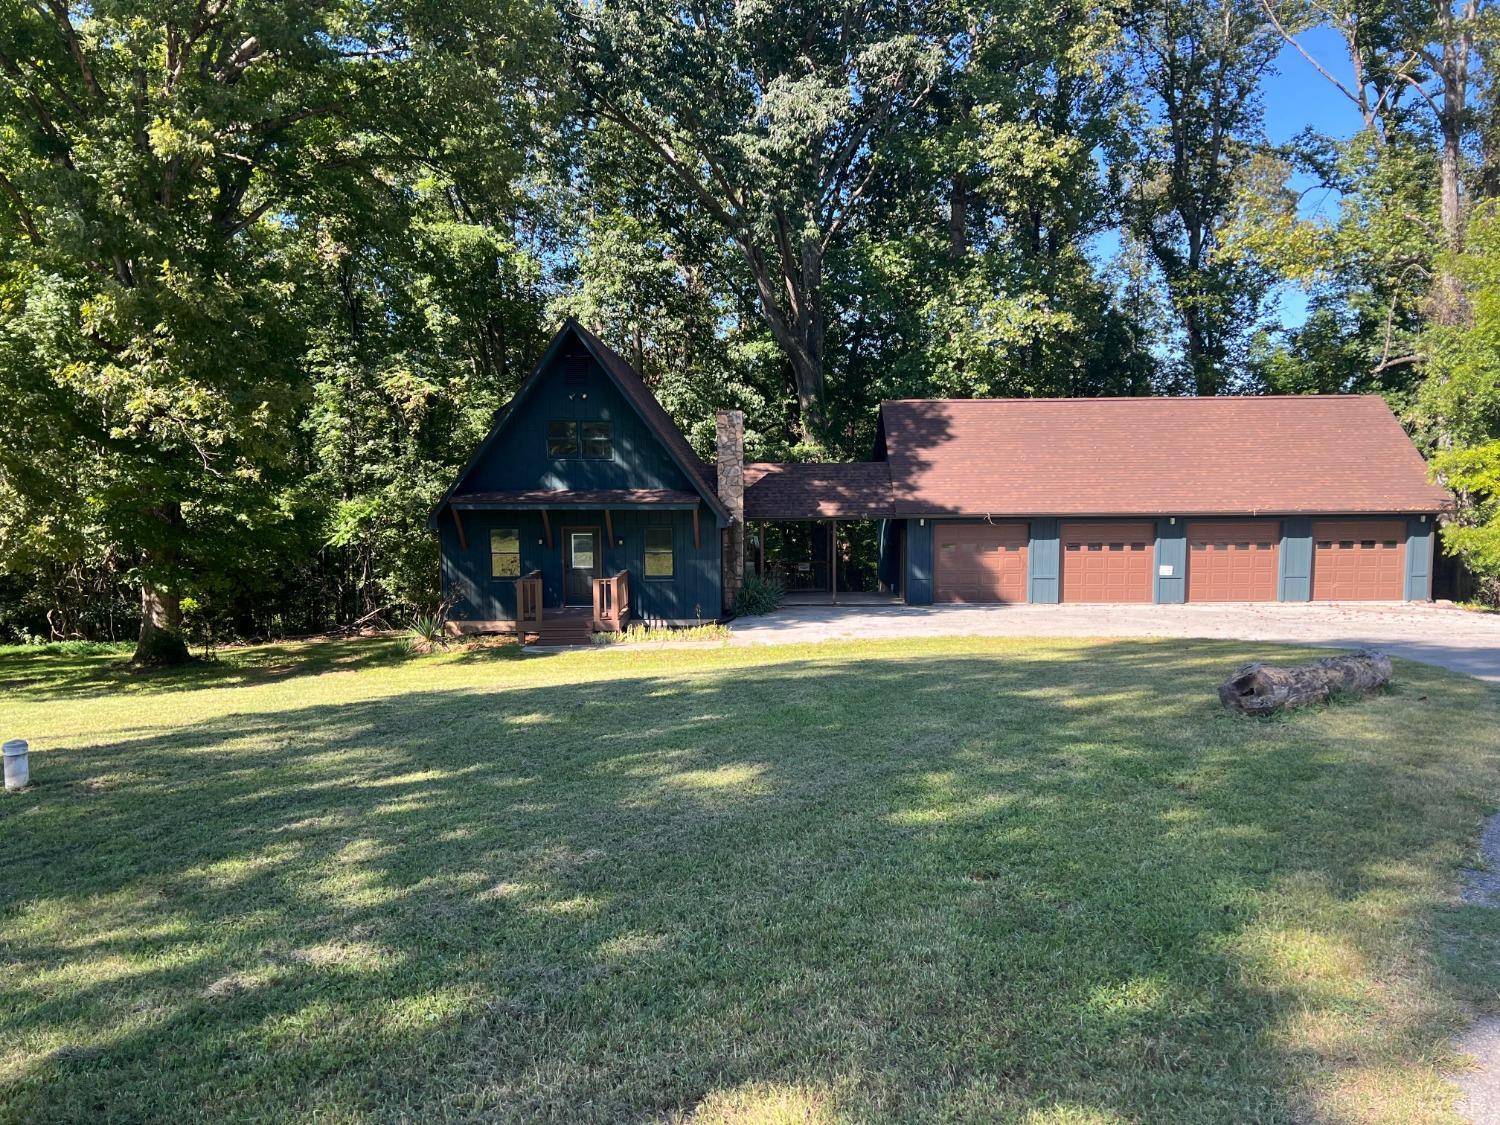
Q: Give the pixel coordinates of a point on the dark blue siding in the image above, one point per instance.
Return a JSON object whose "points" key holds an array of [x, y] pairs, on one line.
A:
{"points": [[1171, 551], [575, 390], [1419, 559], [918, 562], [1043, 567], [691, 593], [1296, 559]]}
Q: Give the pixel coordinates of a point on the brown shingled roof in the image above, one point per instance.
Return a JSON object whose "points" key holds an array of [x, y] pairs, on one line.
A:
{"points": [[1184, 456], [817, 491]]}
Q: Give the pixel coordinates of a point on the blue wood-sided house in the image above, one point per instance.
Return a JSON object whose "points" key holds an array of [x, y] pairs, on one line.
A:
{"points": [[582, 477]]}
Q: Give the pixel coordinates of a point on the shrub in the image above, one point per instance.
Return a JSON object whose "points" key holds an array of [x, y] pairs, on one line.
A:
{"points": [[759, 594], [428, 632]]}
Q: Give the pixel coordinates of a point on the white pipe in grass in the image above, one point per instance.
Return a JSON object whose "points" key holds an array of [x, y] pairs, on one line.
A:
{"points": [[17, 764]]}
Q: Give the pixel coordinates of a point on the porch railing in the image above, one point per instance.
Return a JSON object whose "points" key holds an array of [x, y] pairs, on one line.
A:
{"points": [[529, 599], [611, 603]]}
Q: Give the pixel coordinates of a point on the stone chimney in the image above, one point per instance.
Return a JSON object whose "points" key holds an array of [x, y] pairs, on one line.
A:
{"points": [[730, 428]]}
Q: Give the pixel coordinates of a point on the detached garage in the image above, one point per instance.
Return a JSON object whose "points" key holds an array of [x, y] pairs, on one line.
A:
{"points": [[1257, 498]]}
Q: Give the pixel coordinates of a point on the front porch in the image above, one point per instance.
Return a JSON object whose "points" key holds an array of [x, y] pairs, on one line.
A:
{"points": [[578, 562]]}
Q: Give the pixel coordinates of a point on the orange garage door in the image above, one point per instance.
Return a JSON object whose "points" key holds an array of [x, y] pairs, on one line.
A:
{"points": [[1233, 561], [1358, 560], [1107, 562], [980, 562]]}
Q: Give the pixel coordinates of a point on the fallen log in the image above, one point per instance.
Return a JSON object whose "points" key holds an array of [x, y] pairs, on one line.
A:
{"points": [[1260, 689]]}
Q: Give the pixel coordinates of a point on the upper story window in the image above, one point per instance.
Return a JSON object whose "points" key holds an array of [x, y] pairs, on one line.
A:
{"points": [[595, 437], [579, 439], [562, 439]]}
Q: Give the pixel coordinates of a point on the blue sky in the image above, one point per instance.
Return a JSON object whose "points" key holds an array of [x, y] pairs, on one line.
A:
{"points": [[1297, 97]]}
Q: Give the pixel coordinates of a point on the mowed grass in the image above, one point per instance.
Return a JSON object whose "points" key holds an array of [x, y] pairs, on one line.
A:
{"points": [[952, 879]]}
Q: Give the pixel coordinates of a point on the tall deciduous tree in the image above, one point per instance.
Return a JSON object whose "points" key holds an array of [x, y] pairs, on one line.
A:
{"points": [[1458, 404], [773, 120], [1409, 61], [157, 158], [1199, 67]]}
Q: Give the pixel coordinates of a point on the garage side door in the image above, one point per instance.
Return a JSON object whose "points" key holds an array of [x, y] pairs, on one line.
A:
{"points": [[1358, 560], [980, 562], [1107, 562], [1233, 561]]}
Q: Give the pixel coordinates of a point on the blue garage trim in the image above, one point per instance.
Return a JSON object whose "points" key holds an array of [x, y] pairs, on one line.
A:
{"points": [[1294, 582], [918, 562], [1419, 543], [1042, 566], [1171, 551]]}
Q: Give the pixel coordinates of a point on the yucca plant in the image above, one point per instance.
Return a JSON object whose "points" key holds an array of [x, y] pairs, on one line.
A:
{"points": [[428, 632]]}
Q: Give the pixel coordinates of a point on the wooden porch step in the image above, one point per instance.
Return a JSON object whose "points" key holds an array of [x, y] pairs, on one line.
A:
{"points": [[562, 628]]}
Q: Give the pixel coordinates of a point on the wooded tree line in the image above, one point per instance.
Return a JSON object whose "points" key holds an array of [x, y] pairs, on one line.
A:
{"points": [[268, 269]]}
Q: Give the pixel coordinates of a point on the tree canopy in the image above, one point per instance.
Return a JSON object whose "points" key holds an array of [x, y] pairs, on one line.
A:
{"points": [[267, 270]]}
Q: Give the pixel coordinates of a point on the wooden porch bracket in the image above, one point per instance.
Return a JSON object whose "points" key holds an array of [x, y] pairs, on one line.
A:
{"points": [[547, 528], [697, 535], [463, 541], [609, 528]]}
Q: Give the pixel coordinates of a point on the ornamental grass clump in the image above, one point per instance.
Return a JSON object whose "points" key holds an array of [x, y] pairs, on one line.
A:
{"points": [[760, 594]]}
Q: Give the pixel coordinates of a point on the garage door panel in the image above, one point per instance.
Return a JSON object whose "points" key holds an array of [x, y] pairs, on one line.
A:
{"points": [[1233, 560], [981, 562], [1107, 562], [1359, 560]]}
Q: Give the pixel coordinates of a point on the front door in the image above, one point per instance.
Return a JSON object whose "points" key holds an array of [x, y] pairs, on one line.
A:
{"points": [[581, 565]]}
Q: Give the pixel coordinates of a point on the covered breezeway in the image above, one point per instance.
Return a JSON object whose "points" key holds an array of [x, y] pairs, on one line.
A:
{"points": [[825, 532], [826, 562]]}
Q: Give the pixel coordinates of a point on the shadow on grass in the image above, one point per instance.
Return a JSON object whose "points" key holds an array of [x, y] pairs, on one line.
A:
{"points": [[967, 885], [43, 673]]}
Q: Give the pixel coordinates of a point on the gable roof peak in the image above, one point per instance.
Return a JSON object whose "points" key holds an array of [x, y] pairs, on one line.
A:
{"points": [[630, 384]]}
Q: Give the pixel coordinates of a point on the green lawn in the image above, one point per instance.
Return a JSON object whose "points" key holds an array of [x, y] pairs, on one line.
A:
{"points": [[1041, 881]]}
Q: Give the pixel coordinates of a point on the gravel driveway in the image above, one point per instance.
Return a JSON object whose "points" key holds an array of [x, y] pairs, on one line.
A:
{"points": [[1435, 634]]}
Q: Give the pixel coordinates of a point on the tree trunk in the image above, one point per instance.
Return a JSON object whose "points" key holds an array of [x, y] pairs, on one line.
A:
{"points": [[1260, 689], [1449, 305], [958, 217], [160, 640], [797, 327], [1208, 378]]}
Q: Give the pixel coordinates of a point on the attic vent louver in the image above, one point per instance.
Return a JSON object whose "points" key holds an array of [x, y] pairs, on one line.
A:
{"points": [[576, 370]]}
